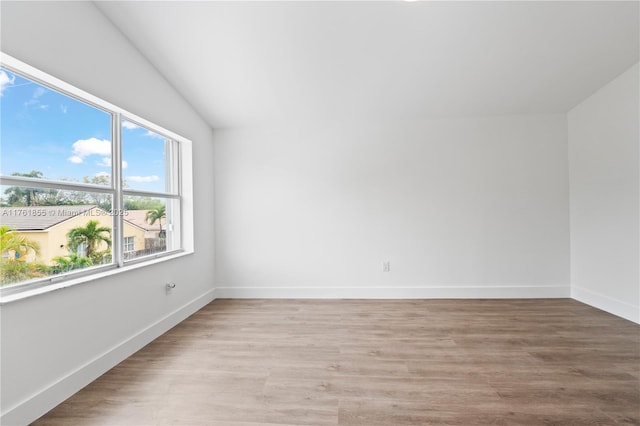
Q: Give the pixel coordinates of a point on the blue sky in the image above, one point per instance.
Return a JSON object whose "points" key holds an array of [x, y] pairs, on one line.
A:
{"points": [[65, 139]]}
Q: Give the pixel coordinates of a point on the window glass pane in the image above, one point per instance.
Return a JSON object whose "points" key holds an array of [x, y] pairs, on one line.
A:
{"points": [[154, 224], [129, 244], [46, 134], [38, 241], [146, 159]]}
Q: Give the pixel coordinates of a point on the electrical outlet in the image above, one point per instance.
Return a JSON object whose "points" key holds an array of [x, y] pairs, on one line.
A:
{"points": [[386, 266]]}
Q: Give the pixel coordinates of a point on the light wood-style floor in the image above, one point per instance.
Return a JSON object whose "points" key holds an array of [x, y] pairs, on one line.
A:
{"points": [[375, 362]]}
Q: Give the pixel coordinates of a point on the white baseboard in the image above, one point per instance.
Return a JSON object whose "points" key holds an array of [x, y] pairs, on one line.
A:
{"points": [[613, 306], [442, 292], [29, 410]]}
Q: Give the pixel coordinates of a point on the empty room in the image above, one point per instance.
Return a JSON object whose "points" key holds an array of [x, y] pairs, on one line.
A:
{"points": [[288, 213]]}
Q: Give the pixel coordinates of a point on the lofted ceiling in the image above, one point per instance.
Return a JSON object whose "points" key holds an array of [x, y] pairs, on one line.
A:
{"points": [[251, 63]]}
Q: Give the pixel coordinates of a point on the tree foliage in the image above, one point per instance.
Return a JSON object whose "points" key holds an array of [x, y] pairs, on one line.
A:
{"points": [[11, 242], [141, 203], [13, 272], [18, 196], [92, 235], [24, 197], [70, 263], [156, 214]]}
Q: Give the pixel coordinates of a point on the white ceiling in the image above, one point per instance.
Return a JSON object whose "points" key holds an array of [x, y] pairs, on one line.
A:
{"points": [[249, 63]]}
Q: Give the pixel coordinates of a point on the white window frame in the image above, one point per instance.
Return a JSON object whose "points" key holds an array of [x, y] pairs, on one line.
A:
{"points": [[181, 190]]}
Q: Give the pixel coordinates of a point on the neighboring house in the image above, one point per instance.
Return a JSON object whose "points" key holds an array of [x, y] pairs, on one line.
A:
{"points": [[49, 225], [139, 218]]}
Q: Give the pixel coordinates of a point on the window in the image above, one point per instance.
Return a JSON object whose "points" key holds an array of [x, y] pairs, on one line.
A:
{"points": [[81, 249], [129, 244], [150, 189], [84, 185]]}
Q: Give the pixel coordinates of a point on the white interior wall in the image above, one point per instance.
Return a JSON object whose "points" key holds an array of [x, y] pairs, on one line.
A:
{"points": [[604, 150], [54, 344], [474, 207]]}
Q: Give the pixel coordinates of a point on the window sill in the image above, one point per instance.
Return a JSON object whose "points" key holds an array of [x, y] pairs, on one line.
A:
{"points": [[88, 278]]}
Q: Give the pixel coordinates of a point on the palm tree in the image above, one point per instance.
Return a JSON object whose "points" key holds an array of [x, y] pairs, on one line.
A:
{"points": [[11, 241], [92, 235], [156, 215]]}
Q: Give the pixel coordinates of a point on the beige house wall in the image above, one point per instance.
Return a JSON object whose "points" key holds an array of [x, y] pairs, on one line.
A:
{"points": [[137, 233], [53, 241]]}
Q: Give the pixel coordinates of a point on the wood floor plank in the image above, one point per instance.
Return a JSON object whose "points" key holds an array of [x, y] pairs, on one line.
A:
{"points": [[374, 362]]}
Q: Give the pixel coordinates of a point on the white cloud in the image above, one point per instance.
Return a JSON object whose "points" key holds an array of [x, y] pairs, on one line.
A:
{"points": [[85, 147], [5, 81], [105, 162], [63, 108], [129, 125], [144, 179], [101, 174]]}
